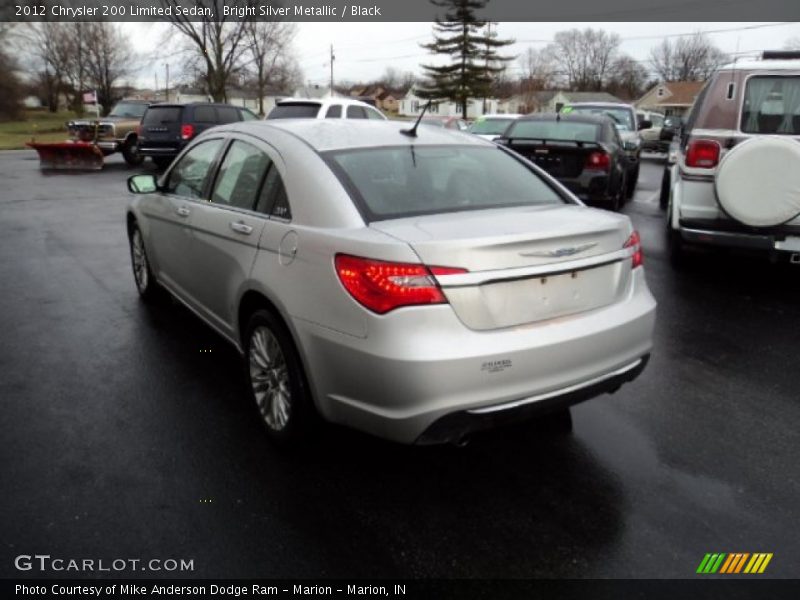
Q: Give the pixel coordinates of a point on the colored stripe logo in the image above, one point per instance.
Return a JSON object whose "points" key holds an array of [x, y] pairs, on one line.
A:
{"points": [[734, 563]]}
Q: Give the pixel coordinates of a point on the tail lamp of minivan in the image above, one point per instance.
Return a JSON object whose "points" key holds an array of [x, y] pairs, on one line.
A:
{"points": [[635, 242], [702, 154], [187, 132], [383, 286], [598, 161]]}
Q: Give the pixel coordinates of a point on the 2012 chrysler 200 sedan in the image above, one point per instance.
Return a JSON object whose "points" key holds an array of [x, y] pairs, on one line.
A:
{"points": [[415, 286]]}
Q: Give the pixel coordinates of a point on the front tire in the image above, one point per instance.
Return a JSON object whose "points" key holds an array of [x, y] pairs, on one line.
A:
{"points": [[666, 183], [130, 152], [276, 379], [633, 179], [146, 283]]}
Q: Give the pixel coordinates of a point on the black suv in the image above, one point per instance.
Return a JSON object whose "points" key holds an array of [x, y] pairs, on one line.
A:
{"points": [[167, 128]]}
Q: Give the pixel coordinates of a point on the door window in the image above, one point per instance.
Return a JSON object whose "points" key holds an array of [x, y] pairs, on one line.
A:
{"points": [[356, 112], [189, 176], [240, 175], [374, 114], [334, 112], [273, 200]]}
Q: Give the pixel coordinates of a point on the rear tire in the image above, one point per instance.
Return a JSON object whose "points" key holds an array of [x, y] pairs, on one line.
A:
{"points": [[663, 199], [130, 152], [675, 245], [633, 179], [559, 421], [276, 380], [162, 162]]}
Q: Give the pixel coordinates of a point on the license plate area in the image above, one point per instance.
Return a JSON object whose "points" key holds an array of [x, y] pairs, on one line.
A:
{"points": [[790, 244]]}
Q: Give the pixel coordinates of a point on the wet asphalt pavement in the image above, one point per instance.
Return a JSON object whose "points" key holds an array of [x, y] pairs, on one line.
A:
{"points": [[126, 432]]}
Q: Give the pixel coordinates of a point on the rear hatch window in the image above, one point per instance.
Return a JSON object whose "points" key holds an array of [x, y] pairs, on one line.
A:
{"points": [[162, 115], [772, 105], [394, 182], [295, 110], [555, 130], [490, 126]]}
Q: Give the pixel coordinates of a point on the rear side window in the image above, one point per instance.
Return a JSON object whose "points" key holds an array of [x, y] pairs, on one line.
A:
{"points": [[188, 177], [356, 112], [273, 200], [204, 114], [240, 176], [395, 182], [295, 110], [334, 112], [227, 114], [772, 105], [158, 115], [570, 131]]}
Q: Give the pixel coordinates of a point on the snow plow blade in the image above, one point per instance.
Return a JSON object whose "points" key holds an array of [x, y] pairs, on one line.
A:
{"points": [[78, 156]]}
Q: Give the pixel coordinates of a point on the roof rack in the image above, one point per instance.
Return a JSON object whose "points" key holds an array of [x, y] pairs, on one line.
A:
{"points": [[781, 55]]}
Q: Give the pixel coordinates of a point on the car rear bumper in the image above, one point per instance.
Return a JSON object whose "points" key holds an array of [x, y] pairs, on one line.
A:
{"points": [[420, 366], [729, 234], [151, 149]]}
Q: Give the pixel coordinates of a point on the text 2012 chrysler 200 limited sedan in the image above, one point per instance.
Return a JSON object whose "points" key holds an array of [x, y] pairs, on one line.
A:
{"points": [[415, 287]]}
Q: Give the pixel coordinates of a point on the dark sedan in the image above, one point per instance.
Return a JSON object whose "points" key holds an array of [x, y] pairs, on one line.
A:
{"points": [[584, 152]]}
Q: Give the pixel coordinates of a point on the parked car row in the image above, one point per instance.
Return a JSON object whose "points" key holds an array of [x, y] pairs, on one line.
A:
{"points": [[416, 283], [734, 181]]}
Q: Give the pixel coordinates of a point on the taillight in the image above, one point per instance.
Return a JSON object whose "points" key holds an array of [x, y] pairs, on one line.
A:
{"points": [[702, 154], [187, 132], [598, 161], [383, 286], [635, 242], [138, 131]]}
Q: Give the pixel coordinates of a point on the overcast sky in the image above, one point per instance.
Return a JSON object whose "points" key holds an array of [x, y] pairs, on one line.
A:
{"points": [[364, 50]]}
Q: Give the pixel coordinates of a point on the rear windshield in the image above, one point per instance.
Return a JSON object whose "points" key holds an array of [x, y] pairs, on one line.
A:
{"points": [[160, 115], [772, 105], [555, 130], [404, 181], [490, 126], [296, 110], [133, 110], [623, 117]]}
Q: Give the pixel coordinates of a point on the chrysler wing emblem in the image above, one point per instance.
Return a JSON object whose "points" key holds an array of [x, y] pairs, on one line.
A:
{"points": [[561, 252]]}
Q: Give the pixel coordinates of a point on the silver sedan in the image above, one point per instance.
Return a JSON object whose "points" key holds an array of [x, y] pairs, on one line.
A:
{"points": [[415, 286]]}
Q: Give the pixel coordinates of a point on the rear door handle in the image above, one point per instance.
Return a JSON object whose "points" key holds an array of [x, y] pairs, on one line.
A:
{"points": [[241, 227], [183, 211]]}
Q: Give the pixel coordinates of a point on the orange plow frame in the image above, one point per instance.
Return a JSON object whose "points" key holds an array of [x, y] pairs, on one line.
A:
{"points": [[82, 156]]}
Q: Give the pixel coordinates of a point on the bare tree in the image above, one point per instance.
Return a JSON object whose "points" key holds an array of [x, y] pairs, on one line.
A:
{"points": [[46, 50], [109, 57], [792, 43], [216, 45], [585, 56], [10, 88], [268, 44], [627, 79], [688, 58]]}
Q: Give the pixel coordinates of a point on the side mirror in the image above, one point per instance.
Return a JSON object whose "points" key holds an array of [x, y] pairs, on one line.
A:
{"points": [[645, 124], [142, 184]]}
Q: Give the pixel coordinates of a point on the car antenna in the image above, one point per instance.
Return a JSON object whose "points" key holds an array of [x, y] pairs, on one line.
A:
{"points": [[413, 131]]}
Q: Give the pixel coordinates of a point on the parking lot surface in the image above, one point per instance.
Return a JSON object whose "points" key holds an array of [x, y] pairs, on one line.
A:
{"points": [[127, 432]]}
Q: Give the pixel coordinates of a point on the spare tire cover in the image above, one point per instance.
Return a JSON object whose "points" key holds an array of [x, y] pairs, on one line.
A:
{"points": [[758, 181]]}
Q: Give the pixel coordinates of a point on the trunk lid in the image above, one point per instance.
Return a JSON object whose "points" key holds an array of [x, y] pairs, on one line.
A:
{"points": [[525, 265], [559, 159]]}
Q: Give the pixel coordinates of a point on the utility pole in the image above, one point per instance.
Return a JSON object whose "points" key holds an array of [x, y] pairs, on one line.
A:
{"points": [[332, 59], [155, 94], [166, 93]]}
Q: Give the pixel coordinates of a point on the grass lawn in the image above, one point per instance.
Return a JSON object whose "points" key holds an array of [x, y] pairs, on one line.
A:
{"points": [[42, 125]]}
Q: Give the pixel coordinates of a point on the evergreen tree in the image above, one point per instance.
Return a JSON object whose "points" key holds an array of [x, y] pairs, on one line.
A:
{"points": [[472, 48]]}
